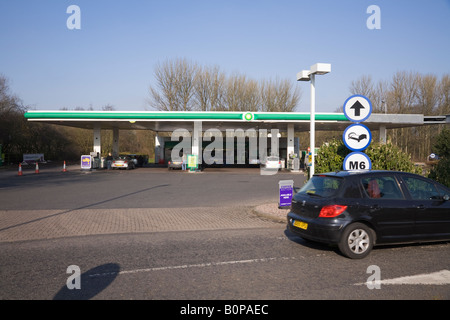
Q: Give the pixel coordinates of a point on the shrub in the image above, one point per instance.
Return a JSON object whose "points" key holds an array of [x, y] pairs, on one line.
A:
{"points": [[390, 157], [330, 157], [441, 171]]}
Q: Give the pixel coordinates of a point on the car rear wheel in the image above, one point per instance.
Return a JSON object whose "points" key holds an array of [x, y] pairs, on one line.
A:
{"points": [[357, 241]]}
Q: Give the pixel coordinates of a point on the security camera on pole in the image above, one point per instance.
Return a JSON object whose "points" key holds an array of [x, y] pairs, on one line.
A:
{"points": [[357, 136]]}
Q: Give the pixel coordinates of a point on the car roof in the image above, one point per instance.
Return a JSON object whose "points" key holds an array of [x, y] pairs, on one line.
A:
{"points": [[359, 172], [368, 173]]}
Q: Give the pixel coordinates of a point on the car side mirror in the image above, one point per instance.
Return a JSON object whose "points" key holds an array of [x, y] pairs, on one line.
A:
{"points": [[446, 197]]}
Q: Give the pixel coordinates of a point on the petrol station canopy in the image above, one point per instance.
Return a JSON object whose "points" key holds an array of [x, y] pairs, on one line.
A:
{"points": [[168, 121]]}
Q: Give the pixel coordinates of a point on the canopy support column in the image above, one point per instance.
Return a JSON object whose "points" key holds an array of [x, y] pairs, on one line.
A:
{"points": [[383, 134], [197, 141], [97, 139], [115, 144]]}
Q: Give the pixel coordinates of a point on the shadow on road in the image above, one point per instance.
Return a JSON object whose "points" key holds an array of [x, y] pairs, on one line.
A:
{"points": [[85, 207], [309, 243], [92, 282]]}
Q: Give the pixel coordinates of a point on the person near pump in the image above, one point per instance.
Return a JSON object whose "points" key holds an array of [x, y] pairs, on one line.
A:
{"points": [[109, 160], [184, 161]]}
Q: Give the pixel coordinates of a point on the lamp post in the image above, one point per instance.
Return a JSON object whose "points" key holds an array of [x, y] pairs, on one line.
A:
{"points": [[310, 75]]}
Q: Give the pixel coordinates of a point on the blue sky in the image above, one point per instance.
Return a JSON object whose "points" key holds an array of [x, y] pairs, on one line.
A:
{"points": [[111, 59]]}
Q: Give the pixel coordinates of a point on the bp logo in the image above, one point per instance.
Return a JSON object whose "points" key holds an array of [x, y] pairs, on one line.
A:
{"points": [[248, 116]]}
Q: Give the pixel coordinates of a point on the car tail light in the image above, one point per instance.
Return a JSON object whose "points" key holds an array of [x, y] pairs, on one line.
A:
{"points": [[332, 211]]}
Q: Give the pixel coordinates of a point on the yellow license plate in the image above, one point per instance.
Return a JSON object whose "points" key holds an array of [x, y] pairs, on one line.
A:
{"points": [[300, 224]]}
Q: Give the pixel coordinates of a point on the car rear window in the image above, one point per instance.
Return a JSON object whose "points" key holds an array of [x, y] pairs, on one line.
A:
{"points": [[322, 186]]}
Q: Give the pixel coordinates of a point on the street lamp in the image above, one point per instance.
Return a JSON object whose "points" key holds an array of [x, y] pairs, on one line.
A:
{"points": [[310, 75]]}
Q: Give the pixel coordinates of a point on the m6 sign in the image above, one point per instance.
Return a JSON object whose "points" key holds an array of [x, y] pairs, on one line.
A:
{"points": [[357, 161], [357, 137]]}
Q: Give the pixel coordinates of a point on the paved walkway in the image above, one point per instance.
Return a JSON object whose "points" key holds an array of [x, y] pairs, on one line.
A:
{"points": [[18, 225]]}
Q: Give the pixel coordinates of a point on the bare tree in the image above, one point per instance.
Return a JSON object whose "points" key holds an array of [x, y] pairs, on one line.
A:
{"points": [[8, 102], [444, 94], [108, 107], [363, 86], [12, 132], [409, 92], [184, 86], [427, 98], [237, 92], [174, 85], [404, 88], [375, 92], [279, 95], [251, 96], [209, 89]]}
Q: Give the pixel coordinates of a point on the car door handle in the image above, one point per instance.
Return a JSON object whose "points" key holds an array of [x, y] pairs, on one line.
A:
{"points": [[420, 206], [374, 207]]}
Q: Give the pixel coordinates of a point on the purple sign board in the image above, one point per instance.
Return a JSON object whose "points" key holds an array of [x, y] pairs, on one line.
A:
{"points": [[286, 190], [86, 162]]}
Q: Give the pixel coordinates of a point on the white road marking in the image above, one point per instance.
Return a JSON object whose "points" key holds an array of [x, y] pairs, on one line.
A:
{"points": [[438, 278], [187, 266]]}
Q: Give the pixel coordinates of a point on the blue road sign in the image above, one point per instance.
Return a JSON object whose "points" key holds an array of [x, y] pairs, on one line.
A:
{"points": [[357, 108], [357, 137], [357, 161]]}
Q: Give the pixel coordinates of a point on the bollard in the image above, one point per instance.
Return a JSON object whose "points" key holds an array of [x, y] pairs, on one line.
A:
{"points": [[20, 169], [37, 168], [64, 167]]}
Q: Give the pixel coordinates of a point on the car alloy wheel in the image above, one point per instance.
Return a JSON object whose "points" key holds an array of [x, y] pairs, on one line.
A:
{"points": [[356, 241]]}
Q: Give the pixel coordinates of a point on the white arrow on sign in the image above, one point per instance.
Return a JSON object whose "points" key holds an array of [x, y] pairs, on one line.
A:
{"points": [[357, 108], [357, 137], [357, 161]]}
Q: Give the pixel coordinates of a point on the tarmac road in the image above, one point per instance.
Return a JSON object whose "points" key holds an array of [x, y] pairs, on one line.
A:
{"points": [[153, 234], [139, 188]]}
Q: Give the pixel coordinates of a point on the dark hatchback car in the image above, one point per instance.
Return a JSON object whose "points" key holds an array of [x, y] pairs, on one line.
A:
{"points": [[359, 209]]}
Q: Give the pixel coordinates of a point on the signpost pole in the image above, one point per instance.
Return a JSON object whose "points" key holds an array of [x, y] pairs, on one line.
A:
{"points": [[310, 75], [312, 130]]}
